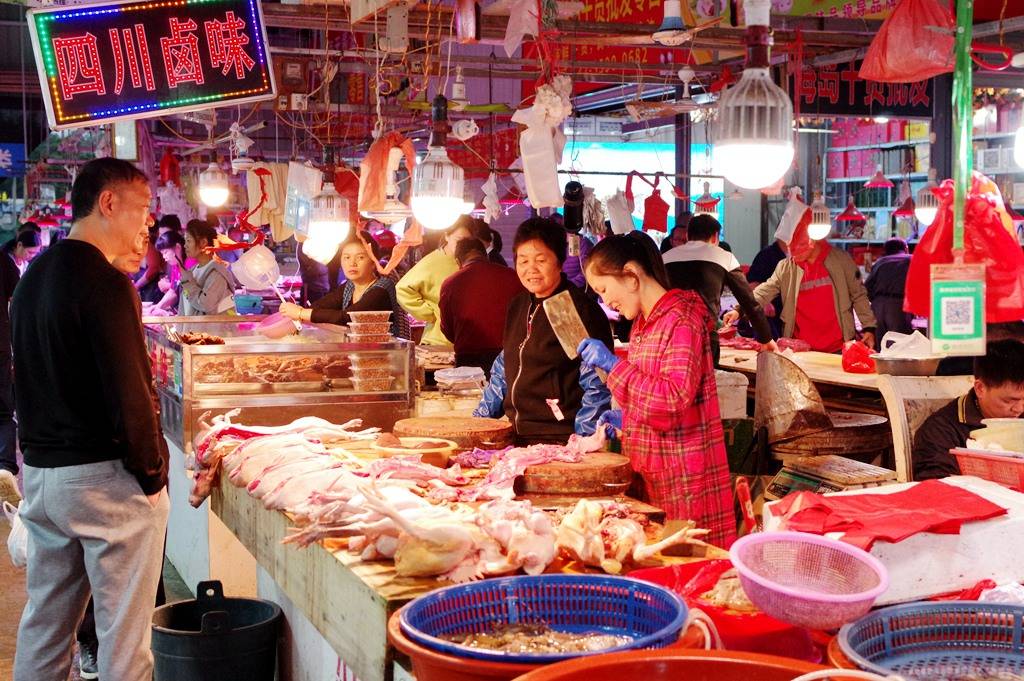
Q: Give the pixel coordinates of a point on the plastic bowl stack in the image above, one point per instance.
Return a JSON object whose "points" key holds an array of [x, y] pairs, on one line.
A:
{"points": [[369, 327], [371, 372]]}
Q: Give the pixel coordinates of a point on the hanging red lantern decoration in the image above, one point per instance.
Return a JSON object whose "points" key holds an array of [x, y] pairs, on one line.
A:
{"points": [[170, 169]]}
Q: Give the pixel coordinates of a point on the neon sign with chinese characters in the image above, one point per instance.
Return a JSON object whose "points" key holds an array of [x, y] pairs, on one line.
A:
{"points": [[101, 63]]}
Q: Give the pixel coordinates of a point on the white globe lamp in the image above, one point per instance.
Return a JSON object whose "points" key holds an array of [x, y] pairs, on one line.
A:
{"points": [[437, 183], [213, 186], [754, 141]]}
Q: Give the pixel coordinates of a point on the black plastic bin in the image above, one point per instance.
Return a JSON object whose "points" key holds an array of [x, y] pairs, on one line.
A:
{"points": [[213, 638]]}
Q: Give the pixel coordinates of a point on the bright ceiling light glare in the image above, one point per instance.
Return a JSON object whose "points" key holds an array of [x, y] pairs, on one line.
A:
{"points": [[754, 142]]}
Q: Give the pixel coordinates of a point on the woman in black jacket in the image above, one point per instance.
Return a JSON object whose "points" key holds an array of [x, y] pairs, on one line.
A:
{"points": [[545, 395]]}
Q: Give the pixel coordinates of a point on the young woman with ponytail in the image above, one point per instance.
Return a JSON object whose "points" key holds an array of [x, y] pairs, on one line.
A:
{"points": [[669, 421]]}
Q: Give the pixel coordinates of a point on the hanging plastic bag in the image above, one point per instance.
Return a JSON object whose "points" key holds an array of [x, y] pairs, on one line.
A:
{"points": [[373, 169], [655, 210], [620, 213], [857, 358], [17, 540], [908, 48], [989, 239], [541, 144]]}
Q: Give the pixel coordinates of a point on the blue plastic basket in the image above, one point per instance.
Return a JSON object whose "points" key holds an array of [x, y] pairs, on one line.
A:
{"points": [[966, 639], [651, 615], [248, 304]]}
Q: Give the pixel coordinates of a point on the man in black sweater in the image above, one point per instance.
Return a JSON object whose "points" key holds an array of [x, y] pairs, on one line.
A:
{"points": [[998, 393], [95, 460], [700, 265]]}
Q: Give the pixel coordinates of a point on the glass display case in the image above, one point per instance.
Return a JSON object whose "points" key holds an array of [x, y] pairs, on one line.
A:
{"points": [[216, 364]]}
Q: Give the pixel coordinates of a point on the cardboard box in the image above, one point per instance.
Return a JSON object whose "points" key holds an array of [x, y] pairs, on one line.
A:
{"points": [[917, 130], [1009, 117], [922, 158], [868, 162], [897, 131], [836, 166]]}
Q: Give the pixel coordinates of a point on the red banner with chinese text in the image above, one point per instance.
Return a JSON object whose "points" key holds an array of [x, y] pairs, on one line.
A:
{"points": [[502, 147]]}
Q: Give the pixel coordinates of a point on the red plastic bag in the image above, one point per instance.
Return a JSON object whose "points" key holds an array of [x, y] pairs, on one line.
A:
{"points": [[857, 358], [906, 49], [989, 238]]}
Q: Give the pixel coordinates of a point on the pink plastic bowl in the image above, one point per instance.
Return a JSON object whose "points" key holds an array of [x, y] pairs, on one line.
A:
{"points": [[808, 580], [276, 326]]}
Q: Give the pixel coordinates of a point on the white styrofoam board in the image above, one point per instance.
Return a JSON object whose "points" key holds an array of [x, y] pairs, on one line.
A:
{"points": [[930, 564]]}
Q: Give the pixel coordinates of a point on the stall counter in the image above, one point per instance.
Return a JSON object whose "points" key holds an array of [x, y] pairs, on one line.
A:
{"points": [[821, 367], [346, 601]]}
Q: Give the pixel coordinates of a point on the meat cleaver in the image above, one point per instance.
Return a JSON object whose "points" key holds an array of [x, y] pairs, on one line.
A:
{"points": [[567, 325]]}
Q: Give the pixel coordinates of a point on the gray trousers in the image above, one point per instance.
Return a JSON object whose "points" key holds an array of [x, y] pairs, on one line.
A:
{"points": [[90, 528]]}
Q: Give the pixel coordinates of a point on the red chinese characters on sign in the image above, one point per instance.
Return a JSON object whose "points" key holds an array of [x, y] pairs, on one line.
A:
{"points": [[78, 65], [139, 66], [502, 146], [227, 45], [181, 54], [840, 91]]}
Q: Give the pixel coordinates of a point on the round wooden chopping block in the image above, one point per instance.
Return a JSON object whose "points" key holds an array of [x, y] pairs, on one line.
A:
{"points": [[600, 473], [466, 431]]}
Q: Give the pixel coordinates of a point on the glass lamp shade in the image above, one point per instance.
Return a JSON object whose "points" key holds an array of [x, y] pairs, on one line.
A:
{"points": [[329, 224], [437, 190], [213, 186], [754, 147], [319, 249], [821, 220], [926, 207]]}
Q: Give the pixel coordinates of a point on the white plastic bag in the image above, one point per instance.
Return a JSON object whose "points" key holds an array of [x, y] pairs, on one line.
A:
{"points": [[540, 165], [17, 540], [906, 346], [542, 143], [620, 213]]}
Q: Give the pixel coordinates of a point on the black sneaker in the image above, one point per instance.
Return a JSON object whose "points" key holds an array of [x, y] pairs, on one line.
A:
{"points": [[87, 662]]}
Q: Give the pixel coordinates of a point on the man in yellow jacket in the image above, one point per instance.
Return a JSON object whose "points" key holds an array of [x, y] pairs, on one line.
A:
{"points": [[419, 291]]}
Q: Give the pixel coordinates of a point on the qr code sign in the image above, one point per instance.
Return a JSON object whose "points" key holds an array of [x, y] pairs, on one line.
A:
{"points": [[957, 316]]}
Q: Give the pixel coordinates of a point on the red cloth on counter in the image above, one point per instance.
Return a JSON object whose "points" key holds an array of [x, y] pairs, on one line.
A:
{"points": [[929, 506]]}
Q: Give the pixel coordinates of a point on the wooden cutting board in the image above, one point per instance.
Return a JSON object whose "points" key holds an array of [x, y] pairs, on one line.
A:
{"points": [[466, 431], [599, 474]]}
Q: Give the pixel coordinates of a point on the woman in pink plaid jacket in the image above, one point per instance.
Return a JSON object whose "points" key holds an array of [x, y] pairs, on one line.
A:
{"points": [[670, 423]]}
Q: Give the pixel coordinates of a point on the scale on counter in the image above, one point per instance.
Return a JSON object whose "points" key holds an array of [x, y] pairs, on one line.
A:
{"points": [[825, 474]]}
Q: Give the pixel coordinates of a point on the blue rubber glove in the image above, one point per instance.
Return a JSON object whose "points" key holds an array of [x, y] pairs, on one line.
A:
{"points": [[596, 354], [611, 421]]}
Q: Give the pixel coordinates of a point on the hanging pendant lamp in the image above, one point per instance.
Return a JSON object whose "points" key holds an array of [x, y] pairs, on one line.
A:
{"points": [[437, 183], [926, 207], [754, 145], [851, 214], [821, 220], [879, 181]]}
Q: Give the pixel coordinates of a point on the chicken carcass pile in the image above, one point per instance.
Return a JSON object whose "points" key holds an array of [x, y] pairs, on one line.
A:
{"points": [[432, 522]]}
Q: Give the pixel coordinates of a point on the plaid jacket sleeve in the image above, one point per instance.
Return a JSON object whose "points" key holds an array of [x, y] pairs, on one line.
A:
{"points": [[493, 403], [660, 400]]}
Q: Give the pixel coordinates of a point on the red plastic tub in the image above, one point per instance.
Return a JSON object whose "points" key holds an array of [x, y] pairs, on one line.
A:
{"points": [[675, 665], [431, 665], [754, 633]]}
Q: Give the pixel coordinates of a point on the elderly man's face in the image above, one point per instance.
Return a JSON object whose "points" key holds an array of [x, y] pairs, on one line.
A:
{"points": [[130, 219]]}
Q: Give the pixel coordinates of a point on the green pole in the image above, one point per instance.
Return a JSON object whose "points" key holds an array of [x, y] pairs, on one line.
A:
{"points": [[963, 100]]}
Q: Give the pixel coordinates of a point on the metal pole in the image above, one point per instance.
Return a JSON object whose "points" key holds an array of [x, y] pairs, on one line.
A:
{"points": [[963, 99]]}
